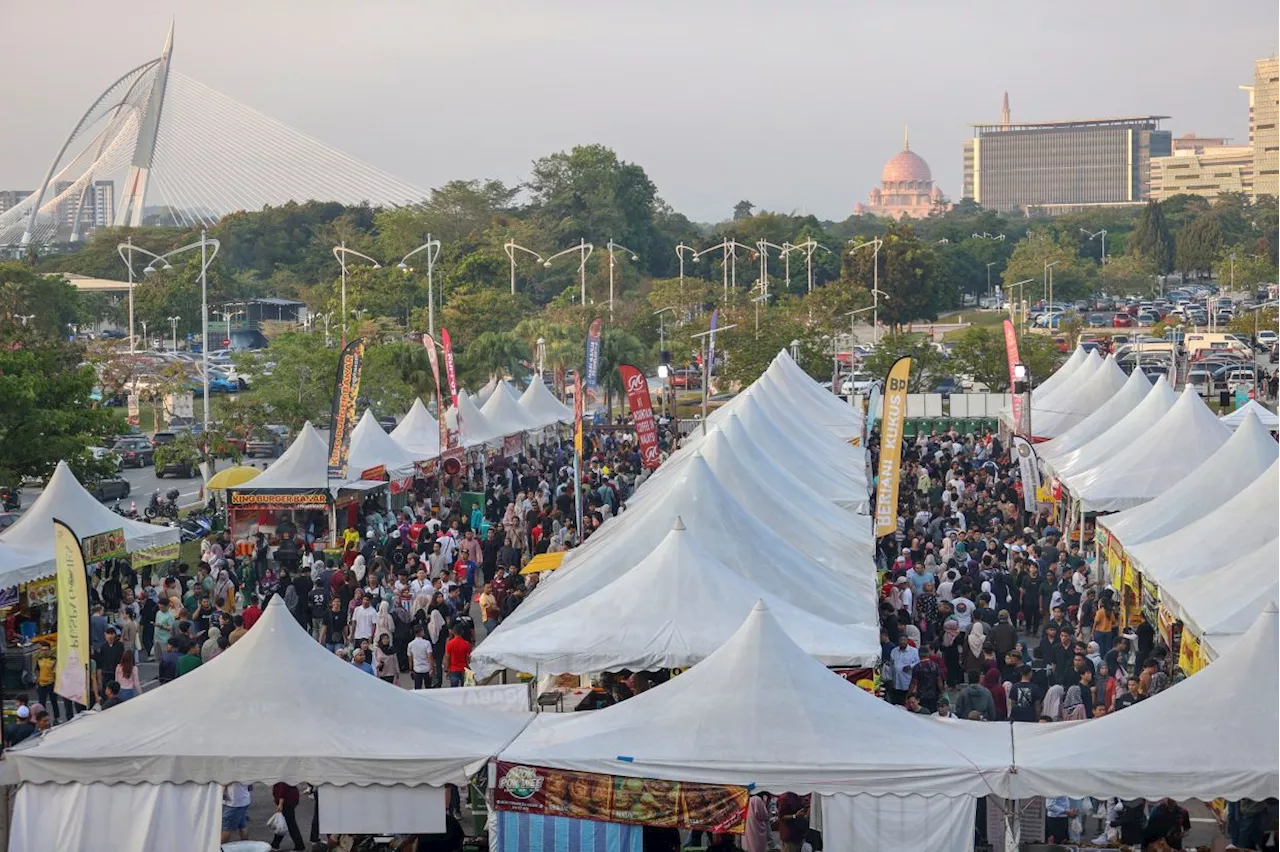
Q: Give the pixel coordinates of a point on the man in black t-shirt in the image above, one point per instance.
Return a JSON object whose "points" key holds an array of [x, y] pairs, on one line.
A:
{"points": [[1024, 698]]}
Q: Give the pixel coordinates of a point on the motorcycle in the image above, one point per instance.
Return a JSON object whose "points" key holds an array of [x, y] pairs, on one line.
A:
{"points": [[11, 499], [131, 513], [167, 508], [194, 528]]}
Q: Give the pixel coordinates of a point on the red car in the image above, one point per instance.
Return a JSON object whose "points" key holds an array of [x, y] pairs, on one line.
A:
{"points": [[1122, 321]]}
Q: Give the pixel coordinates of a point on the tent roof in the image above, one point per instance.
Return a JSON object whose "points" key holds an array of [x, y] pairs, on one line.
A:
{"points": [[304, 465], [1267, 416], [681, 603], [504, 413], [1184, 438], [1066, 409], [810, 522], [419, 432], [276, 706], [542, 406], [1131, 428], [1214, 734], [475, 427], [1239, 461], [26, 548], [509, 389], [1244, 522], [1227, 600], [726, 527], [1110, 413], [820, 405], [1057, 397], [1060, 375], [482, 395], [760, 711], [372, 446]]}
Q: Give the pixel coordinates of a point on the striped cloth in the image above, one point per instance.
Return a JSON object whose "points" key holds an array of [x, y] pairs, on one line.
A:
{"points": [[534, 833]]}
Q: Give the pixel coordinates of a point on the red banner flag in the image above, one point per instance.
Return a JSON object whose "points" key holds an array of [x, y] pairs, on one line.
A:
{"points": [[430, 343], [448, 365], [342, 419], [1011, 353], [641, 414], [577, 415]]}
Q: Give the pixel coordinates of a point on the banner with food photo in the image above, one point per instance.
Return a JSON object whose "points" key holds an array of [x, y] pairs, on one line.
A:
{"points": [[614, 798]]}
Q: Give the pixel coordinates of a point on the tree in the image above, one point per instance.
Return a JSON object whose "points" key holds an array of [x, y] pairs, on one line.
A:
{"points": [[980, 353], [1245, 324], [497, 354], [909, 274], [1073, 276], [1127, 273], [1151, 238], [618, 347], [48, 413], [48, 300], [1243, 269], [298, 386], [1040, 355], [743, 210], [1198, 245], [927, 364], [472, 310]]}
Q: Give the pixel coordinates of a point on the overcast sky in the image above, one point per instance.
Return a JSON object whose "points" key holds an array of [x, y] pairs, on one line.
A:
{"points": [[793, 105]]}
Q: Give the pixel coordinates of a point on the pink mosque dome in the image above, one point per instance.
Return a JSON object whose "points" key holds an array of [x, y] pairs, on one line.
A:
{"points": [[906, 165]]}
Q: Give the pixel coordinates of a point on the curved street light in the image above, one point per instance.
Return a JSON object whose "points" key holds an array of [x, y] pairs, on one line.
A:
{"points": [[729, 264], [611, 247], [432, 248], [130, 248], [173, 321], [809, 246], [876, 292], [340, 252], [584, 249], [762, 247], [511, 247]]}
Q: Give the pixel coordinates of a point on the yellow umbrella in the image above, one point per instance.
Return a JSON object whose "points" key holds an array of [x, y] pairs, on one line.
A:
{"points": [[231, 477], [544, 562]]}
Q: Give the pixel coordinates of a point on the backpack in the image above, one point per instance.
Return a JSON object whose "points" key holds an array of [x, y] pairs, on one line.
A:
{"points": [[291, 598]]}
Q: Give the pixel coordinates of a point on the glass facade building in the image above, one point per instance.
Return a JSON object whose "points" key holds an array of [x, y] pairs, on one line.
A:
{"points": [[1062, 165]]}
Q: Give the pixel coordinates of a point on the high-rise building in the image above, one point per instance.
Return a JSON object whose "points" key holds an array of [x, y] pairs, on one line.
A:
{"points": [[1058, 166], [1198, 144], [1264, 126], [104, 203], [10, 198], [1207, 172], [96, 203]]}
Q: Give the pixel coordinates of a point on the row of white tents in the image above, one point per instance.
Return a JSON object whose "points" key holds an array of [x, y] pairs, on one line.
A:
{"points": [[1172, 484], [766, 502]]}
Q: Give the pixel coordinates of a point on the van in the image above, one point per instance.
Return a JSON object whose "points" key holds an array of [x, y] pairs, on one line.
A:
{"points": [[1199, 343]]}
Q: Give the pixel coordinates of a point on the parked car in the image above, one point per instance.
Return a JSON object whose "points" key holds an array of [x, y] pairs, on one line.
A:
{"points": [[1097, 321], [686, 379], [270, 442], [100, 453], [858, 383], [134, 452], [1267, 337], [110, 489], [1200, 381], [159, 439]]}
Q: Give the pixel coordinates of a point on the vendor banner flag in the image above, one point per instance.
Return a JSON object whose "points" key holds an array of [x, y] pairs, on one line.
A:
{"points": [[895, 414], [872, 413], [593, 356], [72, 677], [641, 406], [577, 415], [1011, 355], [449, 367], [1029, 470], [346, 389], [430, 343]]}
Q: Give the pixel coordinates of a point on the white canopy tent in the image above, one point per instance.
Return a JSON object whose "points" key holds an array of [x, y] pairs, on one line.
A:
{"points": [[475, 428], [1238, 462], [26, 548], [504, 413], [1184, 438], [681, 603], [1060, 398], [1064, 410], [725, 527], [1212, 735], [1130, 429], [1051, 383], [509, 389], [1110, 413], [810, 522], [304, 465], [760, 711], [419, 432], [1245, 522], [810, 399], [1268, 417], [276, 706], [1221, 605], [542, 406], [372, 447], [482, 395]]}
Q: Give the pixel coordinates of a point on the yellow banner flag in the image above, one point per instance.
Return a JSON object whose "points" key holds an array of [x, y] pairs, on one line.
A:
{"points": [[73, 616], [891, 428]]}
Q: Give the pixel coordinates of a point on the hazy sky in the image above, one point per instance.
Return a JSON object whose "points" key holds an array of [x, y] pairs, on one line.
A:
{"points": [[793, 105]]}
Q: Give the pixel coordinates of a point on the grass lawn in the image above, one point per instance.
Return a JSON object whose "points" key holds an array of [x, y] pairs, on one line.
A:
{"points": [[972, 317]]}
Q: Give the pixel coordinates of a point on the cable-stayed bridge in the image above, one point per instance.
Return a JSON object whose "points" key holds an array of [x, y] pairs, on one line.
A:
{"points": [[171, 143]]}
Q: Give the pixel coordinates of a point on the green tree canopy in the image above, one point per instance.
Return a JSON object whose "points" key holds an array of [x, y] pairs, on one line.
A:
{"points": [[909, 274], [1198, 245], [1151, 238]]}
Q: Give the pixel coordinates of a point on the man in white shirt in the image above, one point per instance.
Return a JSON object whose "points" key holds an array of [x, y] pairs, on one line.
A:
{"points": [[364, 620], [903, 661], [420, 659], [908, 598], [235, 810], [419, 583]]}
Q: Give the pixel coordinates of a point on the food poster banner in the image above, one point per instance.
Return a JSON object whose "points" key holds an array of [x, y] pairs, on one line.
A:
{"points": [[346, 389], [72, 676], [302, 498], [512, 445], [104, 546], [593, 357], [153, 555], [430, 343], [895, 413], [614, 798], [1029, 469], [641, 414], [577, 415]]}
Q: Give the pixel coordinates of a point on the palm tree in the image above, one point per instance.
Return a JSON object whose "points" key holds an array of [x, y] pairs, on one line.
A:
{"points": [[498, 353], [415, 369], [618, 347], [561, 356]]}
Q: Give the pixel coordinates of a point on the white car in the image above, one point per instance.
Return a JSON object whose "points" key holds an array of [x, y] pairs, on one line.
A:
{"points": [[1267, 337], [858, 383]]}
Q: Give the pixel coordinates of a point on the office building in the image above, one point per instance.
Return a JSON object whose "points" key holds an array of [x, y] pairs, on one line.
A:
{"points": [[1207, 172], [10, 198], [1059, 166], [1198, 144], [96, 204], [104, 203], [1264, 127]]}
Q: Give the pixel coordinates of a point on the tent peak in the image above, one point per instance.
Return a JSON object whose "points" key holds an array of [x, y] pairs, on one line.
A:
{"points": [[1270, 609]]}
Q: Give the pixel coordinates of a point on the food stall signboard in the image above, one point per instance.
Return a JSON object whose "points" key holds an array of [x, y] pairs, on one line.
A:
{"points": [[302, 498], [103, 546], [614, 798]]}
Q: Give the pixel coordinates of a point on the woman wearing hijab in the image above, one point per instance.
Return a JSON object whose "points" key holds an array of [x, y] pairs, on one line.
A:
{"points": [[1052, 706], [224, 593], [991, 680], [385, 664], [358, 566], [210, 648], [385, 624], [1094, 655], [437, 633], [950, 649], [971, 653]]}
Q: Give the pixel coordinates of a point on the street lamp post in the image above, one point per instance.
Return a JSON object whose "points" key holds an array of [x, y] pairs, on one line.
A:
{"points": [[664, 370], [24, 318], [1012, 303], [128, 262], [809, 246], [729, 262], [875, 286], [584, 249], [851, 315], [340, 252], [511, 247], [989, 265], [611, 247], [707, 355], [1048, 284], [763, 297], [432, 248], [763, 246], [681, 248], [173, 322], [795, 351]]}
